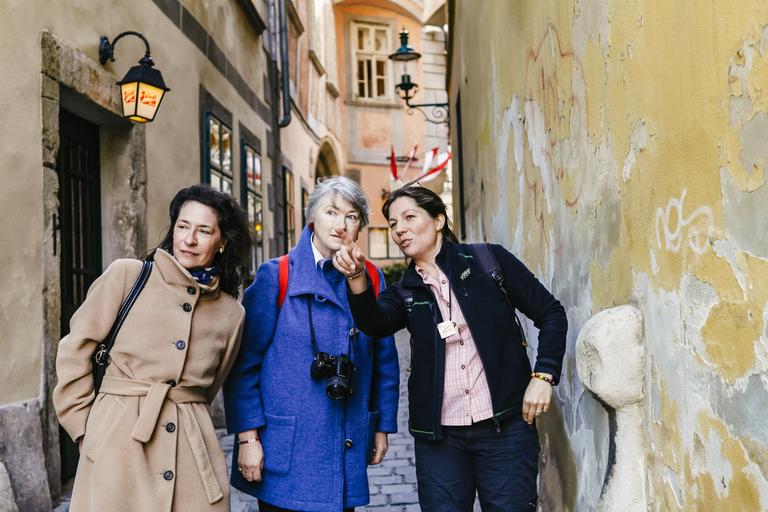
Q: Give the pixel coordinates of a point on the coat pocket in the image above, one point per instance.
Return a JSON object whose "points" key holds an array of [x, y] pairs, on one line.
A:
{"points": [[373, 423], [277, 439], [106, 415]]}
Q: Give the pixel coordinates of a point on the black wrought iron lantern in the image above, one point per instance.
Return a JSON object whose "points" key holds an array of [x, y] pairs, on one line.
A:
{"points": [[407, 89], [142, 89]]}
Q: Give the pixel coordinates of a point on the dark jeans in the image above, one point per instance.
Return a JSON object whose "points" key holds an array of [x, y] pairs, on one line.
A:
{"points": [[502, 467], [266, 507]]}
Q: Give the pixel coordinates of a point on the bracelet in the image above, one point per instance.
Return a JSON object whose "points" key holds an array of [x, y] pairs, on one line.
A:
{"points": [[544, 378], [257, 438], [349, 278]]}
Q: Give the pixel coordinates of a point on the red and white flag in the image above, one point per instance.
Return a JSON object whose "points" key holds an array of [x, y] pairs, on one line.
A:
{"points": [[434, 165], [410, 161], [393, 164]]}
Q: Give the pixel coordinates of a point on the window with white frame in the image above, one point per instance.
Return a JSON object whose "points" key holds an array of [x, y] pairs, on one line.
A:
{"points": [[370, 51]]}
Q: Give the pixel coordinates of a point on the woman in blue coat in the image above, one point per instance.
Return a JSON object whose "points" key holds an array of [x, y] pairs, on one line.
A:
{"points": [[297, 448]]}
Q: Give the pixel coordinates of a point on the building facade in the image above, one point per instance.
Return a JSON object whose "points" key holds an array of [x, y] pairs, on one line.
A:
{"points": [[618, 149], [84, 186]]}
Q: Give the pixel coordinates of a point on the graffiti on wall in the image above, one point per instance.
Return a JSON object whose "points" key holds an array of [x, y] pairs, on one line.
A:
{"points": [[698, 225], [555, 125]]}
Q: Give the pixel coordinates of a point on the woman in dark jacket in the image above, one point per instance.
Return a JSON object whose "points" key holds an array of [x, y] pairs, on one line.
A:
{"points": [[473, 397], [298, 449]]}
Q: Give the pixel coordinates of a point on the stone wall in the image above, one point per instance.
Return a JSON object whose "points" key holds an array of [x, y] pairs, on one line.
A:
{"points": [[618, 148]]}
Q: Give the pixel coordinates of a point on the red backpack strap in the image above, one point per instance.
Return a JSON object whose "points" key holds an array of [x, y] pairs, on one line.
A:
{"points": [[282, 279], [373, 272]]}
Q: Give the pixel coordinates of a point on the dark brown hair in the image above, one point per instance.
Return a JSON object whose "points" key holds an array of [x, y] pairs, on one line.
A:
{"points": [[234, 227], [425, 199]]}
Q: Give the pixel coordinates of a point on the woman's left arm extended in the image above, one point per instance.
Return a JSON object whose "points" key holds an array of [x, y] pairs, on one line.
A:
{"points": [[537, 303]]}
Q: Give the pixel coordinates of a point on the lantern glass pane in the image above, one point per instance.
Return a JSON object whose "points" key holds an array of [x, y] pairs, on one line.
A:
{"points": [[149, 100], [129, 98], [214, 130]]}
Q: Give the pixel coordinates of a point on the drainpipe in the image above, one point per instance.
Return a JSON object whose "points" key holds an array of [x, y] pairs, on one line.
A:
{"points": [[286, 119]]}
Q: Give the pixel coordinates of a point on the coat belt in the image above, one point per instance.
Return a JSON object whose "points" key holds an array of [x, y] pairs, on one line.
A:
{"points": [[155, 394]]}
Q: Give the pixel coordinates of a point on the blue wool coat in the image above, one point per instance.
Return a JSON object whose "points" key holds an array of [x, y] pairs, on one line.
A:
{"points": [[307, 465]]}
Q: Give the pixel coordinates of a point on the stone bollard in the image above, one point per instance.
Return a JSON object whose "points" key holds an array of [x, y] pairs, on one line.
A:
{"points": [[610, 359]]}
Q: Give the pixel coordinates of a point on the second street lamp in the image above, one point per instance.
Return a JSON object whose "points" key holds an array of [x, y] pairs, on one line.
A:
{"points": [[407, 89]]}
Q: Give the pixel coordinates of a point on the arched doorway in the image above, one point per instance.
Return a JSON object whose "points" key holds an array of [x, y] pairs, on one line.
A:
{"points": [[327, 164]]}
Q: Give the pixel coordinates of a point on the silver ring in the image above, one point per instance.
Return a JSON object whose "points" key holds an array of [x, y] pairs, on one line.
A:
{"points": [[538, 412]]}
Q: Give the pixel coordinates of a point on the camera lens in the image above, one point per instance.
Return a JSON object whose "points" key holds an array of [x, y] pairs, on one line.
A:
{"points": [[337, 387]]}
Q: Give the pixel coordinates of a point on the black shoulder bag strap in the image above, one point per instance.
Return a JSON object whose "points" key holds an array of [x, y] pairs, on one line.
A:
{"points": [[100, 356], [490, 264]]}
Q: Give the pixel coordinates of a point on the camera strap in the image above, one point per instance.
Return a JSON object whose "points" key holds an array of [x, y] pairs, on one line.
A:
{"points": [[312, 338], [315, 350]]}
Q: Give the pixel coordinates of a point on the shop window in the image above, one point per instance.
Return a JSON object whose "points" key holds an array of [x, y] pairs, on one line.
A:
{"points": [[252, 191], [218, 161]]}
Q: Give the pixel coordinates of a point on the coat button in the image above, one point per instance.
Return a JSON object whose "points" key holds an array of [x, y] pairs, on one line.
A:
{"points": [[170, 427], [168, 475], [466, 391], [180, 344], [171, 382], [187, 307], [348, 443], [191, 290], [352, 331]]}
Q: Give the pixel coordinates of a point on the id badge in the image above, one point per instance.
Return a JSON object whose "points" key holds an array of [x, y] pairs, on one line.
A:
{"points": [[446, 329]]}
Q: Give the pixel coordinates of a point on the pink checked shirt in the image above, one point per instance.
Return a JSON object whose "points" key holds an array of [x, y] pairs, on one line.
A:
{"points": [[466, 397]]}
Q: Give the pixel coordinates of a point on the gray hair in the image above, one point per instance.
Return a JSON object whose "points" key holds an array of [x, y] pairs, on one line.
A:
{"points": [[338, 185]]}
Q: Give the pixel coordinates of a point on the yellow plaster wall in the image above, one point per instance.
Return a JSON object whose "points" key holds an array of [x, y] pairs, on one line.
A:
{"points": [[618, 148]]}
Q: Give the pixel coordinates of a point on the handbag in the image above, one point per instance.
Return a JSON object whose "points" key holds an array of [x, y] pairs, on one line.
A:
{"points": [[100, 358]]}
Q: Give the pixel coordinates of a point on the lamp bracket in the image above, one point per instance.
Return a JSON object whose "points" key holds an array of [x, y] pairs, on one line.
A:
{"points": [[440, 111], [107, 49]]}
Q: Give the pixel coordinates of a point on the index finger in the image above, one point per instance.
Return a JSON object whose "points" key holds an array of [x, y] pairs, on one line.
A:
{"points": [[345, 238]]}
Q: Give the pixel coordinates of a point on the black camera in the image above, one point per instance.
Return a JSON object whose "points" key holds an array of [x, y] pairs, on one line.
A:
{"points": [[337, 370]]}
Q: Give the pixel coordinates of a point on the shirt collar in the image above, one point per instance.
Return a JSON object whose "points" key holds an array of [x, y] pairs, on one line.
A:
{"points": [[318, 257]]}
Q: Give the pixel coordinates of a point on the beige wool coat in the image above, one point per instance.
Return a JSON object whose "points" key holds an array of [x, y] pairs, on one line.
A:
{"points": [[149, 441]]}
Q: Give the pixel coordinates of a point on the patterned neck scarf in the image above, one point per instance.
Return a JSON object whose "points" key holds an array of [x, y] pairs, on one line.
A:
{"points": [[205, 275]]}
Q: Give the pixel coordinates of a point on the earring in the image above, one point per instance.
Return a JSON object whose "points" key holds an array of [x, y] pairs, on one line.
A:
{"points": [[221, 249], [311, 226]]}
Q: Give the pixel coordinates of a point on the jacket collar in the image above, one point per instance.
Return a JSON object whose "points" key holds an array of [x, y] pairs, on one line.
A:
{"points": [[444, 260], [174, 274], [305, 278]]}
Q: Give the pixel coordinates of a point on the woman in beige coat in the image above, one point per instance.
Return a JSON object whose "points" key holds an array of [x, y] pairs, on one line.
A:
{"points": [[147, 441]]}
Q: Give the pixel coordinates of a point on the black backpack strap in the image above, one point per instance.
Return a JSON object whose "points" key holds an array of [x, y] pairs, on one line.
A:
{"points": [[407, 297], [101, 355], [490, 265]]}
